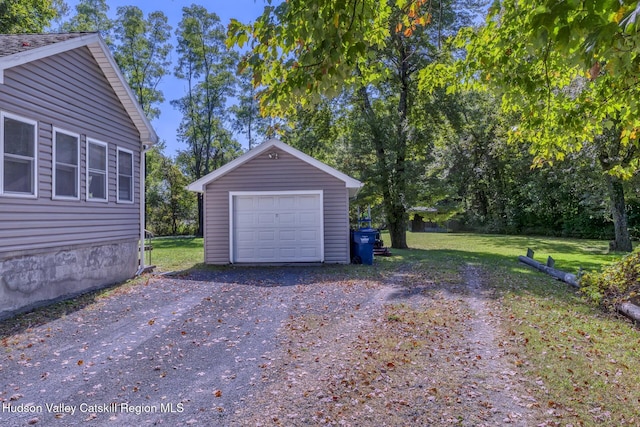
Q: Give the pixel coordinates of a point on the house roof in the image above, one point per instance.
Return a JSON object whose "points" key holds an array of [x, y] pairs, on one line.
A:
{"points": [[422, 209], [19, 49], [353, 185]]}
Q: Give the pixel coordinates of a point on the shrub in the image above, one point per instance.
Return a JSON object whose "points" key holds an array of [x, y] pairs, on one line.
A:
{"points": [[615, 284]]}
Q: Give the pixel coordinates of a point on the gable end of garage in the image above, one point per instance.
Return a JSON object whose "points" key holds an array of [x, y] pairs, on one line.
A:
{"points": [[272, 179]]}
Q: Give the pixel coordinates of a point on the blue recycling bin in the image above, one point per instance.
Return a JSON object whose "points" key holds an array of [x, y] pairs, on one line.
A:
{"points": [[362, 241]]}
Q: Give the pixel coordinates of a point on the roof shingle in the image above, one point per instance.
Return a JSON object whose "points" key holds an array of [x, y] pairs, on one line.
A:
{"points": [[15, 43]]}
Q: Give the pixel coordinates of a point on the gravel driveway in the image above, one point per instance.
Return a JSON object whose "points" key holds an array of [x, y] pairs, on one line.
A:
{"points": [[235, 347], [176, 350]]}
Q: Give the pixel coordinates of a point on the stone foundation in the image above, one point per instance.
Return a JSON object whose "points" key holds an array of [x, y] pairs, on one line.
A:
{"points": [[28, 281]]}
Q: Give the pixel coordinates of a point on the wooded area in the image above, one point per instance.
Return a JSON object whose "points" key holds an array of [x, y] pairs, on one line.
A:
{"points": [[518, 118]]}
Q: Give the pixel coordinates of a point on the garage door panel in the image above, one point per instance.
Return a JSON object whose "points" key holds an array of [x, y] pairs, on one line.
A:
{"points": [[277, 228], [266, 203], [246, 253], [287, 253], [287, 235], [309, 235], [244, 236], [286, 202], [266, 254], [266, 236], [265, 220], [309, 252], [286, 219], [308, 202], [245, 221], [244, 203], [308, 218]]}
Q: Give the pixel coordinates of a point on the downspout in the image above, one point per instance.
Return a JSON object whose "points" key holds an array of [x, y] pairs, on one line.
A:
{"points": [[143, 166]]}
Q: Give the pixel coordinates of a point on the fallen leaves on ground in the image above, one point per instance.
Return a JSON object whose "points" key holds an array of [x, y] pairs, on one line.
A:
{"points": [[381, 362]]}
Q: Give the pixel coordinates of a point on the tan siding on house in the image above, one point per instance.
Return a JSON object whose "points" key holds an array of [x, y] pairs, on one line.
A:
{"points": [[70, 92], [287, 173]]}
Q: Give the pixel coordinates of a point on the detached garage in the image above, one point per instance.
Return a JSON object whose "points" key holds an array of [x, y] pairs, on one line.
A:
{"points": [[275, 204]]}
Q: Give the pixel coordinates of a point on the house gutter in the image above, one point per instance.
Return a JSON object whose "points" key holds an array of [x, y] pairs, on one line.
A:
{"points": [[143, 203]]}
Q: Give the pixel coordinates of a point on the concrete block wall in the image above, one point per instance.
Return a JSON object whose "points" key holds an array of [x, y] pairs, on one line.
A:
{"points": [[28, 281]]}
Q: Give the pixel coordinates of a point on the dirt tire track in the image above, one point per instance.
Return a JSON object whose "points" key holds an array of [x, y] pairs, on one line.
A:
{"points": [[466, 378], [507, 397]]}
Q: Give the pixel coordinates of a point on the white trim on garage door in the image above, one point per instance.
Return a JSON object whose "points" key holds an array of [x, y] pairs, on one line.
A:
{"points": [[276, 226]]}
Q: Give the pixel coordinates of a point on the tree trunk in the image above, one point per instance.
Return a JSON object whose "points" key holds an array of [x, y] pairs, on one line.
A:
{"points": [[622, 241], [392, 184], [397, 211], [397, 221], [394, 209]]}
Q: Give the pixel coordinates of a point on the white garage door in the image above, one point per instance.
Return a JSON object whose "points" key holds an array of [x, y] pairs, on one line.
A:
{"points": [[277, 228]]}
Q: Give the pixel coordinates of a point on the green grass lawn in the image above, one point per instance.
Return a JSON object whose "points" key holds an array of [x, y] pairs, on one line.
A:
{"points": [[180, 253], [569, 254], [176, 253]]}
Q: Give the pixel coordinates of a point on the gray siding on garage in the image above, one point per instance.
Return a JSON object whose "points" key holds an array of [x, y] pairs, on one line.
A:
{"points": [[68, 91], [287, 173]]}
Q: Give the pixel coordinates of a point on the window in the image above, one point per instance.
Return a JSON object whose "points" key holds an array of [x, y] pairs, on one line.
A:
{"points": [[97, 171], [18, 155], [125, 175], [66, 160]]}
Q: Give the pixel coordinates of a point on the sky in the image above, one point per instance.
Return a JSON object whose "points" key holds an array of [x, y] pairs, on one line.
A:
{"points": [[243, 10]]}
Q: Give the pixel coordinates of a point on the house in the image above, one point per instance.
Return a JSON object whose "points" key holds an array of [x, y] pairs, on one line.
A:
{"points": [[275, 204], [72, 138], [418, 215]]}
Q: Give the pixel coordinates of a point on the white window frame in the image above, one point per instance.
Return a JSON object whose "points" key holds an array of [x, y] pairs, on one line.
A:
{"points": [[55, 163], [124, 150], [34, 171], [106, 172]]}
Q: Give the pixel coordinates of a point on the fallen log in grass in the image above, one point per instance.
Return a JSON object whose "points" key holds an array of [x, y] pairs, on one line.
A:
{"points": [[569, 278], [629, 309]]}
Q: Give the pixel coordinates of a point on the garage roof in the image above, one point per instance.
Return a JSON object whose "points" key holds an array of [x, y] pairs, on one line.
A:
{"points": [[353, 185]]}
